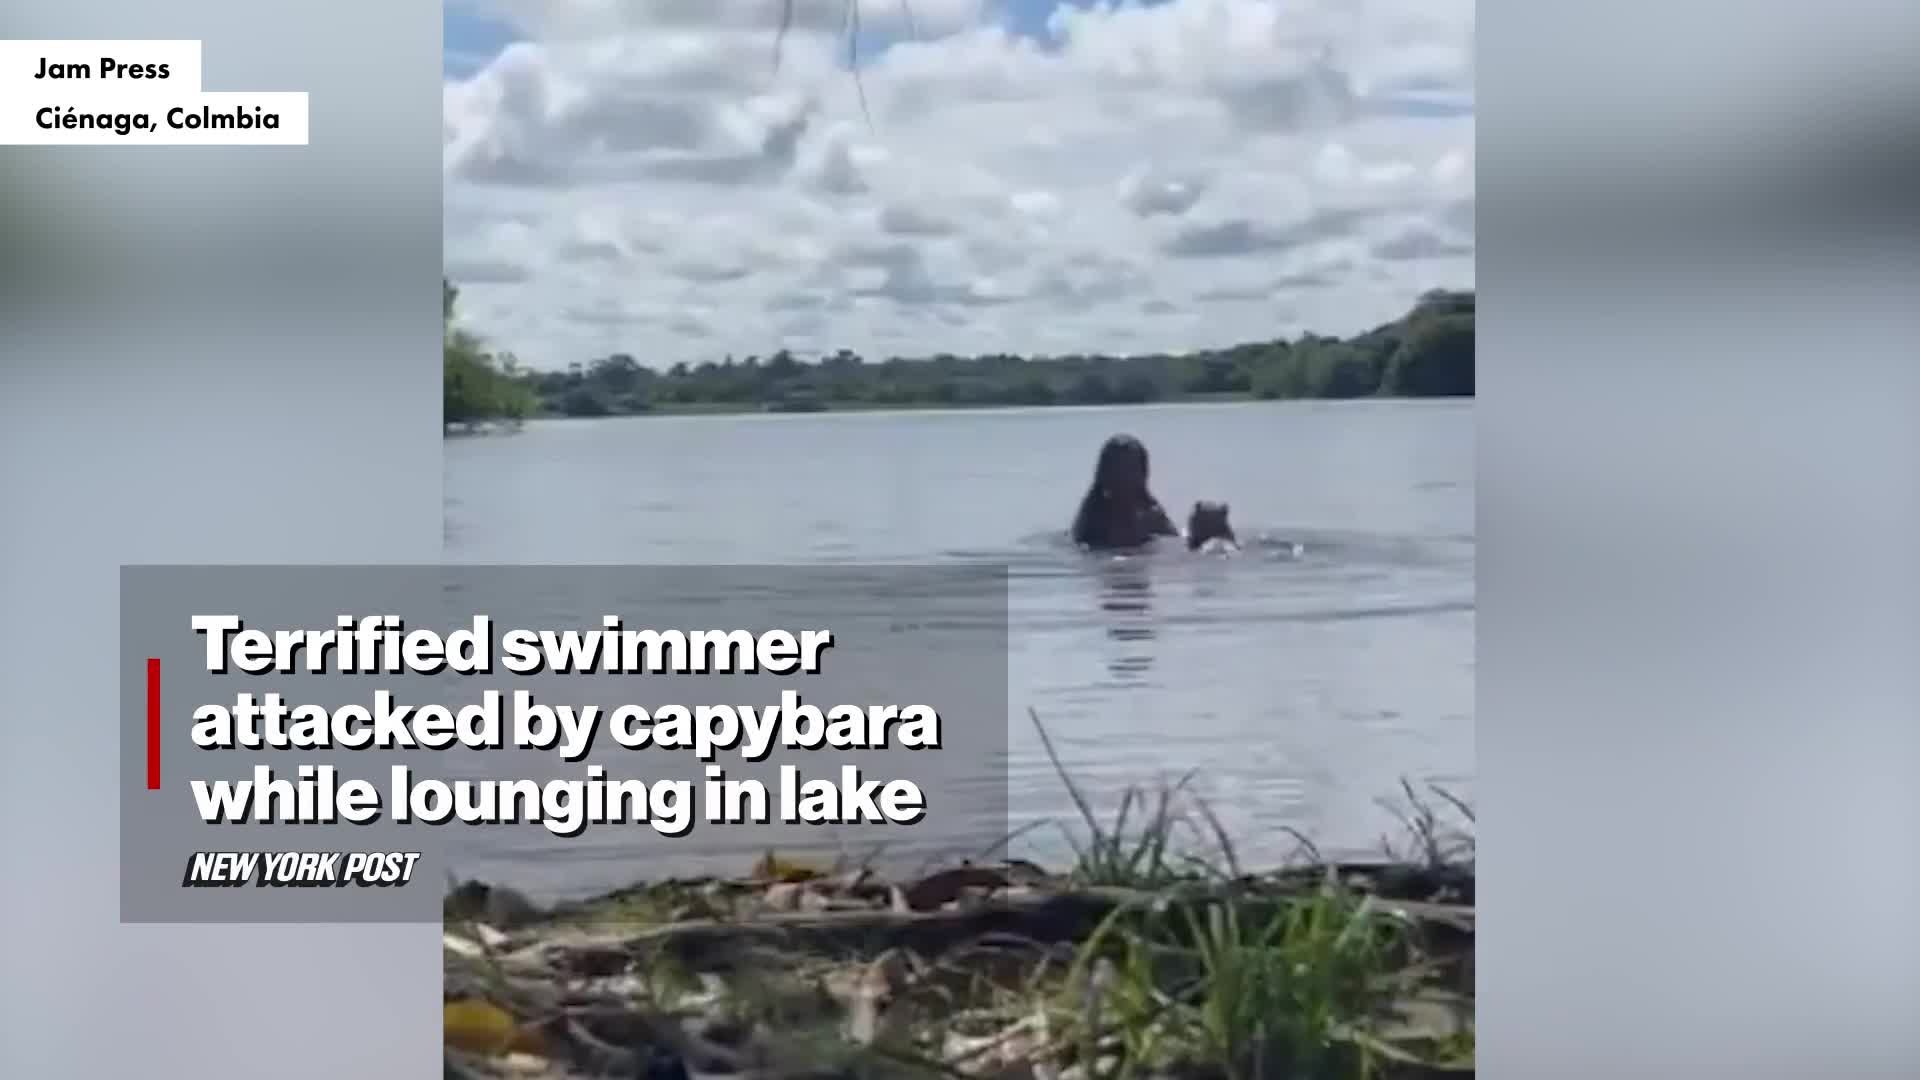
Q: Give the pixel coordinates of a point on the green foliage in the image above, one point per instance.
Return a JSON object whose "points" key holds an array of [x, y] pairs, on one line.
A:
{"points": [[1253, 986], [478, 385], [1208, 970], [1426, 353], [1436, 360]]}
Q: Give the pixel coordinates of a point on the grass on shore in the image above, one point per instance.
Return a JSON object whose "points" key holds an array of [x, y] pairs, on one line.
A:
{"points": [[1238, 983], [1201, 969]]}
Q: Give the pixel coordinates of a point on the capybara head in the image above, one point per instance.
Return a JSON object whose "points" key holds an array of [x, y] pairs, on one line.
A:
{"points": [[1208, 522]]}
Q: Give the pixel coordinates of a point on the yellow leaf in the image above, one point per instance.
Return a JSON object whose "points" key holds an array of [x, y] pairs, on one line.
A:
{"points": [[479, 1027]]}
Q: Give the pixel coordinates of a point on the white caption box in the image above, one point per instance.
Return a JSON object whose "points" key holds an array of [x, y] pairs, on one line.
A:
{"points": [[133, 93]]}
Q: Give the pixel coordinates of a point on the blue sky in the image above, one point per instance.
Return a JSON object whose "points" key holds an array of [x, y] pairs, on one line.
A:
{"points": [[468, 41], [471, 40]]}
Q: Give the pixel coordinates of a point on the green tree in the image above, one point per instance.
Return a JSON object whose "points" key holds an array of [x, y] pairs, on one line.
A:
{"points": [[476, 385], [1426, 352], [1435, 360]]}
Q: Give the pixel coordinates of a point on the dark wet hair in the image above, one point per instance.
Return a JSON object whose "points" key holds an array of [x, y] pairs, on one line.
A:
{"points": [[1119, 475], [1119, 455]]}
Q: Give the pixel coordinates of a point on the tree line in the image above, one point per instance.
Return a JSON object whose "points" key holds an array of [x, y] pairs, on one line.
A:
{"points": [[477, 384], [1428, 352]]}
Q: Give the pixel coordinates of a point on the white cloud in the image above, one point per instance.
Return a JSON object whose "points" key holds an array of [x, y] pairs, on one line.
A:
{"points": [[638, 176]]}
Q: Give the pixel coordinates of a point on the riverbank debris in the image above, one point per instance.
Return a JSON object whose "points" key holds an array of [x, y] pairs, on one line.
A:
{"points": [[996, 970]]}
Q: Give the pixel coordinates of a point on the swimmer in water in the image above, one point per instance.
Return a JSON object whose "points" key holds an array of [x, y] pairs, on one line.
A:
{"points": [[1118, 511]]}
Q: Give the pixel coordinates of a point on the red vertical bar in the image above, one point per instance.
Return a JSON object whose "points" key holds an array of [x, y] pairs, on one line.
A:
{"points": [[153, 724]]}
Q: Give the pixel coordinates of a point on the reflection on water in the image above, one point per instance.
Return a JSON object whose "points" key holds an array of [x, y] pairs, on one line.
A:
{"points": [[1299, 680], [1126, 598]]}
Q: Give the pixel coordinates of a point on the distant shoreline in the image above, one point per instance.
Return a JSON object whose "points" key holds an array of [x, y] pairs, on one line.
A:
{"points": [[1426, 353], [717, 408], [759, 409]]}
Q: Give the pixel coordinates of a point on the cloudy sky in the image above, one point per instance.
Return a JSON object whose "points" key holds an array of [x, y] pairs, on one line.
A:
{"points": [[1026, 175]]}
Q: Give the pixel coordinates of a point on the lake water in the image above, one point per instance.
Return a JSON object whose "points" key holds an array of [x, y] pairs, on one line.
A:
{"points": [[1299, 682]]}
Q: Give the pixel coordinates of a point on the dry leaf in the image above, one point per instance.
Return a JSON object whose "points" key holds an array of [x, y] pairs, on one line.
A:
{"points": [[479, 1026], [482, 1027]]}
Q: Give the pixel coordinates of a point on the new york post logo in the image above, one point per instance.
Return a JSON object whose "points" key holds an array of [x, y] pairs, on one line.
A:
{"points": [[299, 869]]}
